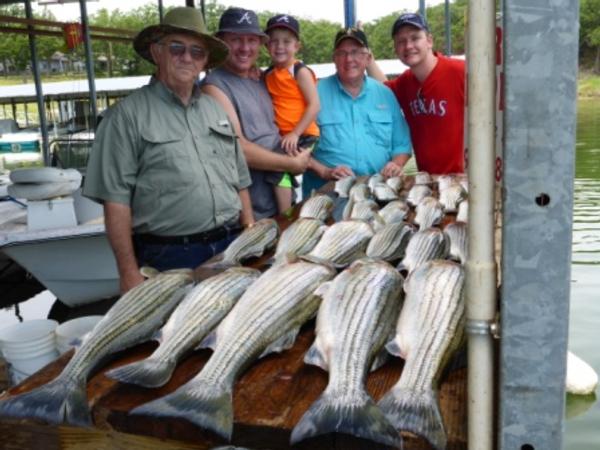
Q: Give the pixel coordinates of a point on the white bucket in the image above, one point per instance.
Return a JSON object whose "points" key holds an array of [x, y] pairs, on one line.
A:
{"points": [[72, 330], [28, 346]]}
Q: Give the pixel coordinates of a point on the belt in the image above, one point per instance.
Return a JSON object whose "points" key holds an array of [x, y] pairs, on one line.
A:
{"points": [[204, 237]]}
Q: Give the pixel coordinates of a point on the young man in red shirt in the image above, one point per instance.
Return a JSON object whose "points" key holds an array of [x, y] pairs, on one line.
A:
{"points": [[432, 96]]}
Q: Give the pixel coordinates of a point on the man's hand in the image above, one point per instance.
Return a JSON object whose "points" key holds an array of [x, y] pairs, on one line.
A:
{"points": [[337, 173], [392, 169], [299, 162], [130, 280]]}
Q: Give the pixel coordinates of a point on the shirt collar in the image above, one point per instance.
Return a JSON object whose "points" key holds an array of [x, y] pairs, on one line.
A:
{"points": [[363, 89], [160, 89]]}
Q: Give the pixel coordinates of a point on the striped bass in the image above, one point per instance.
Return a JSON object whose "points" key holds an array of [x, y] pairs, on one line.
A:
{"points": [[132, 319], [423, 178], [384, 193], [423, 246], [389, 243], [396, 183], [342, 243], [463, 211], [252, 242], [374, 180], [417, 193], [343, 185], [429, 330], [317, 206], [359, 192], [429, 212], [457, 235], [299, 238], [358, 313], [395, 211], [265, 319], [451, 196], [364, 210], [194, 318]]}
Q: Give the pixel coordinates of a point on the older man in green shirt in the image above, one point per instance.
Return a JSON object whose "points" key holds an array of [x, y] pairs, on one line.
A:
{"points": [[166, 162]]}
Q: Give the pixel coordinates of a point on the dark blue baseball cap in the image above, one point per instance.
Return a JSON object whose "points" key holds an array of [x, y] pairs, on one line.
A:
{"points": [[240, 21], [284, 21], [412, 19]]}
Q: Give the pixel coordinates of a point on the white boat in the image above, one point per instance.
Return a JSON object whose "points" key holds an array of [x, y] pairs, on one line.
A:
{"points": [[74, 262]]}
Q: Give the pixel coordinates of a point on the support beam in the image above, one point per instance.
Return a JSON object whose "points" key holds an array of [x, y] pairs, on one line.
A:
{"points": [[541, 53], [89, 64], [38, 87]]}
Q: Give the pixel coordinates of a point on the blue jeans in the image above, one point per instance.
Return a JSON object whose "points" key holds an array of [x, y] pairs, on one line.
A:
{"points": [[175, 256]]}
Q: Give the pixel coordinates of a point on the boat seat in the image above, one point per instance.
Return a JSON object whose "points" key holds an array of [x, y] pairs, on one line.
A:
{"points": [[43, 183]]}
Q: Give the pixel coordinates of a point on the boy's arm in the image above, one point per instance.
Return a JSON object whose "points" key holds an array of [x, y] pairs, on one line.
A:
{"points": [[307, 86], [257, 157]]}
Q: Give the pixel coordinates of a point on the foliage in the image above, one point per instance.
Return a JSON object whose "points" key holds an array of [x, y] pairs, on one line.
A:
{"points": [[589, 33]]}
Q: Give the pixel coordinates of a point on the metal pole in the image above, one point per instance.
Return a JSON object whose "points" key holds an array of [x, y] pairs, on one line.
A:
{"points": [[189, 3], [422, 8], [349, 13], [38, 87], [160, 11], [448, 28], [481, 267], [539, 158], [89, 64]]}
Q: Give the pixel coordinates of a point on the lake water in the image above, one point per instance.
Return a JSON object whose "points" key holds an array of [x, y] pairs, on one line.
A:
{"points": [[582, 428], [583, 431]]}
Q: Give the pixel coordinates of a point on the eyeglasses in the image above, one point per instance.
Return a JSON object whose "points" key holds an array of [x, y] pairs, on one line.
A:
{"points": [[179, 49], [353, 54]]}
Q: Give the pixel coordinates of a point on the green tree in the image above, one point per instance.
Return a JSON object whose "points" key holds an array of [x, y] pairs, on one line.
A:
{"points": [[589, 32]]}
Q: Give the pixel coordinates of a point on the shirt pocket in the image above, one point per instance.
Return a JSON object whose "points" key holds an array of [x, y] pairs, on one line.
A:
{"points": [[223, 146], [163, 149], [330, 126], [380, 128]]}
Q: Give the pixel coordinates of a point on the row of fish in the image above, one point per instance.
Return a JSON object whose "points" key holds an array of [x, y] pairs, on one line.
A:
{"points": [[244, 315]]}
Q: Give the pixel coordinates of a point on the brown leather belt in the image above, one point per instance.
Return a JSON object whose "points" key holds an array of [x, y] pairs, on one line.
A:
{"points": [[204, 237]]}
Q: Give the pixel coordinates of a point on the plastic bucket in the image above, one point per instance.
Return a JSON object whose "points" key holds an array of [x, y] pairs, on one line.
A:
{"points": [[68, 332], [28, 346]]}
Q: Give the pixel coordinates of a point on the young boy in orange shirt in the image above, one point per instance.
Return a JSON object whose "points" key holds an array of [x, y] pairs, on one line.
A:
{"points": [[293, 89]]}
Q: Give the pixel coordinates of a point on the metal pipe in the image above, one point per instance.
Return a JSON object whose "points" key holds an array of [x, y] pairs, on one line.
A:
{"points": [[160, 11], [349, 13], [480, 266], [39, 93], [89, 64], [422, 8], [448, 29]]}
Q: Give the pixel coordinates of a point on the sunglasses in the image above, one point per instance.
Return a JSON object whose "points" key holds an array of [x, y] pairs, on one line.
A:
{"points": [[179, 49]]}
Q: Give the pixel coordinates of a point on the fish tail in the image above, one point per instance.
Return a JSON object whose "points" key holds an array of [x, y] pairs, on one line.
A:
{"points": [[149, 372], [56, 402], [207, 405], [361, 417], [417, 412]]}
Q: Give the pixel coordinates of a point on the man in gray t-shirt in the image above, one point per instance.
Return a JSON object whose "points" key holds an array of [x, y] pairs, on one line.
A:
{"points": [[248, 104]]}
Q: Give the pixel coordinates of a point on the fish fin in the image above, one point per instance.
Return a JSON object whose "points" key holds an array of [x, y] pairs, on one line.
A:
{"points": [[283, 343], [204, 404], [314, 357], [393, 348], [315, 259], [321, 291], [149, 372], [56, 402], [417, 412], [219, 263], [361, 417], [148, 272], [210, 341], [379, 360]]}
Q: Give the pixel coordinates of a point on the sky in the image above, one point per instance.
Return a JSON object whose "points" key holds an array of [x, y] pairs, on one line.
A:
{"points": [[332, 10]]}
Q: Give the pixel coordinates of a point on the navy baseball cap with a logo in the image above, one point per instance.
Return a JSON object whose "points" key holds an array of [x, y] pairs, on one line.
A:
{"points": [[412, 19], [284, 21], [240, 21]]}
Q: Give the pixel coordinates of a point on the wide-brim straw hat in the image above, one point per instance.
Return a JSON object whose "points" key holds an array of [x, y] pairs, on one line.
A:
{"points": [[184, 20]]}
